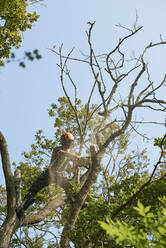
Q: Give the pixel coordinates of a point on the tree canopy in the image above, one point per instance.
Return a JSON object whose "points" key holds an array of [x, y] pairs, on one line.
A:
{"points": [[14, 19]]}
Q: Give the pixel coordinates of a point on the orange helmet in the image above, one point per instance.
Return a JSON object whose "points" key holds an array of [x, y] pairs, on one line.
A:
{"points": [[66, 139], [69, 136]]}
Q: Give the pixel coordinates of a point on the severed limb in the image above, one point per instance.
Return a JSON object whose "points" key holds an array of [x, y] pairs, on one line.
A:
{"points": [[78, 162], [81, 161]]}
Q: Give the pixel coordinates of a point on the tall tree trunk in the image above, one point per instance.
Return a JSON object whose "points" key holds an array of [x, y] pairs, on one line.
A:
{"points": [[8, 228]]}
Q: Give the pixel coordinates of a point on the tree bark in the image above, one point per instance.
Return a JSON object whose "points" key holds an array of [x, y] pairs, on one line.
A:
{"points": [[10, 223], [81, 196]]}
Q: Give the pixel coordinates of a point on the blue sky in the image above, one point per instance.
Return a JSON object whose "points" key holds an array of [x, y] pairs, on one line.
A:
{"points": [[26, 94]]}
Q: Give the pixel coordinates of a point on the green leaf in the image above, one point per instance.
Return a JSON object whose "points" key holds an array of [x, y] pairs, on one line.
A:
{"points": [[162, 230]]}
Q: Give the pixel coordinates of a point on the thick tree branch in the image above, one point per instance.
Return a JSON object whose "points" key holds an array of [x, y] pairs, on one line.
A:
{"points": [[10, 224], [81, 196], [18, 181], [54, 203], [9, 179], [98, 76], [121, 130]]}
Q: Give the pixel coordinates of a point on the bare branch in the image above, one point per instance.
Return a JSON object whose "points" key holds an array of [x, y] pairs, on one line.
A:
{"points": [[144, 122], [71, 58], [88, 107], [155, 89], [143, 92], [121, 130], [62, 66], [118, 45], [99, 73], [136, 81]]}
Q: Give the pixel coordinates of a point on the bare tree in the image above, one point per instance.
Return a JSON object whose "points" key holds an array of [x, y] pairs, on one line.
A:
{"points": [[109, 74]]}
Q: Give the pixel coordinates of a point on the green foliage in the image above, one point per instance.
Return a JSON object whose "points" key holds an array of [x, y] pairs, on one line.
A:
{"points": [[151, 234], [37, 241], [160, 142], [66, 119], [113, 188], [35, 161], [118, 181], [87, 223], [30, 56], [84, 123], [98, 207], [14, 19]]}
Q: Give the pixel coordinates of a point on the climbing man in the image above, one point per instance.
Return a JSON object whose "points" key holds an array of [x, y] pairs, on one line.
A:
{"points": [[53, 174]]}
